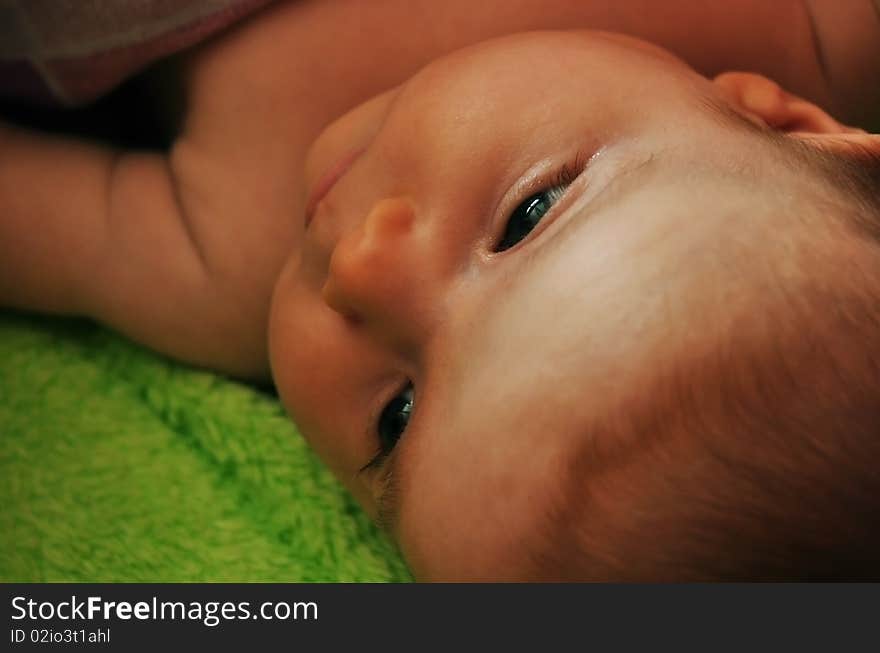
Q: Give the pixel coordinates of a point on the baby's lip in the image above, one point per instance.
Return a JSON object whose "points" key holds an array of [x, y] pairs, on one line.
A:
{"points": [[327, 180]]}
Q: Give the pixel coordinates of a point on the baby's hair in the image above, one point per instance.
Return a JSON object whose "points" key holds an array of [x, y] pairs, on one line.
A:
{"points": [[855, 175], [754, 455], [852, 171]]}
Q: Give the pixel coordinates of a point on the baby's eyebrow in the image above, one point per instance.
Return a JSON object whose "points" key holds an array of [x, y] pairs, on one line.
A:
{"points": [[627, 175], [631, 172]]}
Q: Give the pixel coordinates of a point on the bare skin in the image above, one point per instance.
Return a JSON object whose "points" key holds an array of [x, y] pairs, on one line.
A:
{"points": [[493, 361], [183, 251], [225, 204]]}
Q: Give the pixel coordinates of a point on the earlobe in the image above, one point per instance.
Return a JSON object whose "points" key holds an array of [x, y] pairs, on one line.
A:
{"points": [[763, 101]]}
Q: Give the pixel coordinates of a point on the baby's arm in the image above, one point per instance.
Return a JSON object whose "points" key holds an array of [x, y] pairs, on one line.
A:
{"points": [[94, 231]]}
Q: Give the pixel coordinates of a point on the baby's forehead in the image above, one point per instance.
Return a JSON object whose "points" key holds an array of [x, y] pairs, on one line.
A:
{"points": [[580, 343]]}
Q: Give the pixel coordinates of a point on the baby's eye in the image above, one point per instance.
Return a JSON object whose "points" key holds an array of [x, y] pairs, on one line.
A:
{"points": [[527, 215], [394, 419]]}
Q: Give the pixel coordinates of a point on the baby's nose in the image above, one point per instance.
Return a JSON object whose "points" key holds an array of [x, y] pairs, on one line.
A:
{"points": [[377, 274]]}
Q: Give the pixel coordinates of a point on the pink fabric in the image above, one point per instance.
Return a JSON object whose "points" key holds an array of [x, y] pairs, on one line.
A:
{"points": [[69, 52]]}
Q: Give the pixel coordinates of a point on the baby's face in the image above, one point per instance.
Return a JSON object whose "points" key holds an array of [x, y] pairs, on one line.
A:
{"points": [[494, 252]]}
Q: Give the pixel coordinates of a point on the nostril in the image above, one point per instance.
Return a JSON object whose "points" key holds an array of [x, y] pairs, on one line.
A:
{"points": [[346, 273], [338, 301]]}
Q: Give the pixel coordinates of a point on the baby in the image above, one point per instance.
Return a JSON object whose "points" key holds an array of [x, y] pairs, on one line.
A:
{"points": [[552, 306]]}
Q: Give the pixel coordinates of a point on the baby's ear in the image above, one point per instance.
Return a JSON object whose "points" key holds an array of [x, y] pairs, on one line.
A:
{"points": [[764, 102]]}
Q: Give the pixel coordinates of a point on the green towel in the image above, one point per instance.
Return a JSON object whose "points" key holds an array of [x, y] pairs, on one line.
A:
{"points": [[119, 465]]}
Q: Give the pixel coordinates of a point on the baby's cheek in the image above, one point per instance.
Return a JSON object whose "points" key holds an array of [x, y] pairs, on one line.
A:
{"points": [[319, 373]]}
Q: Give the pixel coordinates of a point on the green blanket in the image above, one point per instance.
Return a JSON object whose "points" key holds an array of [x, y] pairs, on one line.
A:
{"points": [[119, 465]]}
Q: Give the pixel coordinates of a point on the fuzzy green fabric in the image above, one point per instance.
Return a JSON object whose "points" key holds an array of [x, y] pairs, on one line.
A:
{"points": [[119, 465]]}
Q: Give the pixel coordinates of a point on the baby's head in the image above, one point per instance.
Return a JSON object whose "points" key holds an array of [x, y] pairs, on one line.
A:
{"points": [[566, 309]]}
